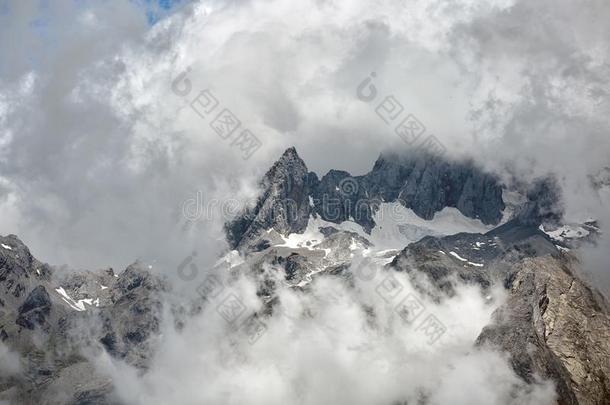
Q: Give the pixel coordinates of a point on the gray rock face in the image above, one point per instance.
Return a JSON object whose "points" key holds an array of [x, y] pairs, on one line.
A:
{"points": [[420, 182], [543, 204], [35, 310], [553, 325], [429, 185], [338, 197], [132, 321], [46, 330], [482, 259], [556, 327], [283, 205]]}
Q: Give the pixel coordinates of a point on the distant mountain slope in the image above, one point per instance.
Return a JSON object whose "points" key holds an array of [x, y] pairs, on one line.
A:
{"points": [[423, 183], [436, 223]]}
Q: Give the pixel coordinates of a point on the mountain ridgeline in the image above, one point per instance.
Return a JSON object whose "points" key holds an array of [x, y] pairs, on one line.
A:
{"points": [[551, 327], [422, 182]]}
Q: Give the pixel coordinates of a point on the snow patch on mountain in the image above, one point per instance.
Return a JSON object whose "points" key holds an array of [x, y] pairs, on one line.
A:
{"points": [[76, 305], [566, 232], [232, 259], [397, 226], [311, 236], [458, 256]]}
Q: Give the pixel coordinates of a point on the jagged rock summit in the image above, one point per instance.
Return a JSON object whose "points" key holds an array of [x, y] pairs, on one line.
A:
{"points": [[43, 318], [284, 204], [553, 326], [450, 227], [291, 195]]}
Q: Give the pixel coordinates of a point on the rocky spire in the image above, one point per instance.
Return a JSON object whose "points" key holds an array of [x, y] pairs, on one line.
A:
{"points": [[421, 182], [283, 204]]}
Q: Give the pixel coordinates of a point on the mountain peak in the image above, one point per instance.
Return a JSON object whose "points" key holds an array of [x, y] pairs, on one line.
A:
{"points": [[290, 159], [284, 204], [290, 153], [288, 165]]}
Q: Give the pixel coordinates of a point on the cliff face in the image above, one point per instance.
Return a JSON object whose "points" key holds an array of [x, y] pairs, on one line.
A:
{"points": [[283, 205], [48, 320], [553, 325], [290, 195], [556, 327], [427, 185]]}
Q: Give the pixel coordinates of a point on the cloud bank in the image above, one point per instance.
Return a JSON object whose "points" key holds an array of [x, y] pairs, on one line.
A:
{"points": [[97, 150], [331, 344], [99, 153]]}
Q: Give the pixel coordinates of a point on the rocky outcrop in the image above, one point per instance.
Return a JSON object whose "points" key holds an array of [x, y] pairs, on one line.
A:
{"points": [[48, 320], [290, 195], [481, 259], [35, 310], [427, 185], [543, 204], [338, 197], [555, 327], [131, 323], [283, 205]]}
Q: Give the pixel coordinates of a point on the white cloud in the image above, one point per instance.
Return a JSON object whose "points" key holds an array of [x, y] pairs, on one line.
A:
{"points": [[331, 345], [97, 156], [11, 362], [102, 142]]}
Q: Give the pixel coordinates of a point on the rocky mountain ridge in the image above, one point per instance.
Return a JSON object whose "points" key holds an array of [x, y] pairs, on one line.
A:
{"points": [[446, 232], [48, 319], [291, 194], [531, 262]]}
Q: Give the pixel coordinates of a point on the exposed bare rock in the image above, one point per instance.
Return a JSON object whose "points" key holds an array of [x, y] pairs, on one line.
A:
{"points": [[291, 194], [552, 325], [556, 327], [35, 310], [48, 321], [132, 321], [283, 206]]}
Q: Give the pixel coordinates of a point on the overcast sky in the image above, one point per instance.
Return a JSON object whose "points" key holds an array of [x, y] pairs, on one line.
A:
{"points": [[98, 153]]}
